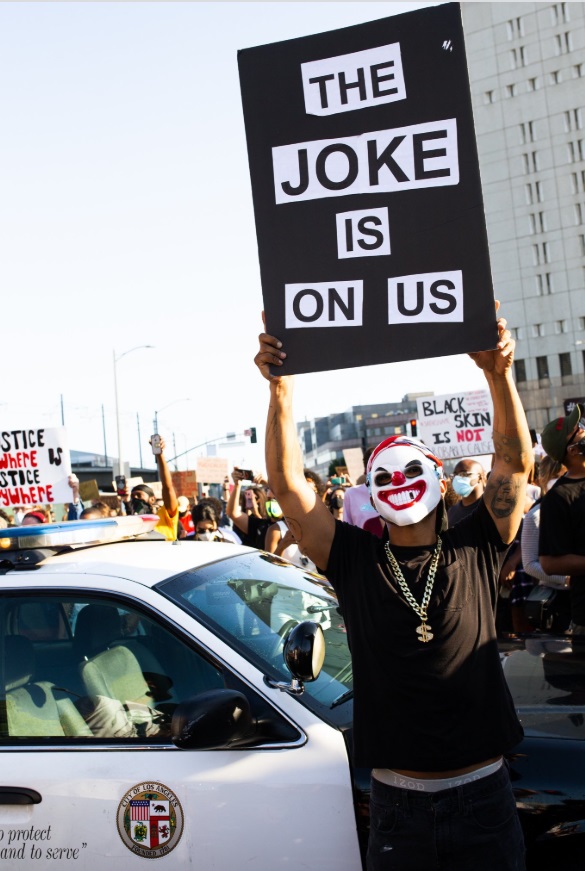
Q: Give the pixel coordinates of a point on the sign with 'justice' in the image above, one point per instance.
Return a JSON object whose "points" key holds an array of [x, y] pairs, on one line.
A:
{"points": [[367, 195]]}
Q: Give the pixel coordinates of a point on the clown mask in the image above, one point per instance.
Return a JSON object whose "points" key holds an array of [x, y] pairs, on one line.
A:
{"points": [[404, 484]]}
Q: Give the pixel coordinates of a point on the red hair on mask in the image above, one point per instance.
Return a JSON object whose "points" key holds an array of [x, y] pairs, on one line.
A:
{"points": [[403, 441]]}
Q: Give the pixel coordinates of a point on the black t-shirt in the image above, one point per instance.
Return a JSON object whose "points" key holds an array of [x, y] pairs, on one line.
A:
{"points": [[430, 706], [562, 530], [458, 511], [256, 534]]}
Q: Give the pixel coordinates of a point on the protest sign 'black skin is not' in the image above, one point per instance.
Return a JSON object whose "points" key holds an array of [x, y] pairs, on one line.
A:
{"points": [[367, 195]]}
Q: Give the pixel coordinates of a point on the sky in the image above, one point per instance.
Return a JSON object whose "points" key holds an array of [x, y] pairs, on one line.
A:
{"points": [[126, 221]]}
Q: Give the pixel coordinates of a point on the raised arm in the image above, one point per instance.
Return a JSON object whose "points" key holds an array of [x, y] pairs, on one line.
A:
{"points": [[309, 521], [505, 493], [233, 508], [169, 495]]}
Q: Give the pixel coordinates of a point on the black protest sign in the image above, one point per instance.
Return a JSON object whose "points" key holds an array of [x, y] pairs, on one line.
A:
{"points": [[367, 196]]}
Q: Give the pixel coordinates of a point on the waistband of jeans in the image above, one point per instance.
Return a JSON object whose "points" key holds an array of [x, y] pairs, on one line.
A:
{"points": [[392, 778], [471, 789]]}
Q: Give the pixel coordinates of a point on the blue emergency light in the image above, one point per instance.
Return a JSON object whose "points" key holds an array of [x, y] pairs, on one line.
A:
{"points": [[76, 533]]}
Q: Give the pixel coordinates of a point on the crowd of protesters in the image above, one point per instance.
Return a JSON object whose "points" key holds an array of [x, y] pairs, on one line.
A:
{"points": [[542, 581]]}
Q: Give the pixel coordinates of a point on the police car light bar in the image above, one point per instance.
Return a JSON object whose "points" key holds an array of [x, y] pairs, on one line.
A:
{"points": [[76, 533]]}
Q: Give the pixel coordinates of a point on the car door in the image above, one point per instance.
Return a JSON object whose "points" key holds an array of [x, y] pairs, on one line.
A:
{"points": [[90, 775]]}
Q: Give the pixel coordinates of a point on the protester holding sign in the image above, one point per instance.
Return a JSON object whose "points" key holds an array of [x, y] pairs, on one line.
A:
{"points": [[432, 712]]}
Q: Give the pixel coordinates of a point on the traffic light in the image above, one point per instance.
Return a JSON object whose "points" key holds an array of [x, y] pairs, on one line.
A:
{"points": [[253, 438], [413, 429]]}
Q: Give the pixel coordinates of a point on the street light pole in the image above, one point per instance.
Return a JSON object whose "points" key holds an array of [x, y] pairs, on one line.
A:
{"points": [[118, 427], [120, 465], [174, 402]]}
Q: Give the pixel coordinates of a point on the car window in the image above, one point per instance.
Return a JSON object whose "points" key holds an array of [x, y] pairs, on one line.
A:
{"points": [[547, 682], [253, 600], [93, 669]]}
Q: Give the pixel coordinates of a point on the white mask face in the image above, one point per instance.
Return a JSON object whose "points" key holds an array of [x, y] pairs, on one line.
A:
{"points": [[405, 487]]}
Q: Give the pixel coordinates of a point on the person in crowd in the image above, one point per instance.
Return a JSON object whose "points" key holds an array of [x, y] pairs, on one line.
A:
{"points": [[468, 482], [562, 513], [549, 471], [185, 517], [533, 490], [279, 539], [18, 513], [514, 578], [335, 501], [34, 517], [206, 515], [76, 506], [96, 511], [433, 715], [357, 506], [260, 511], [451, 497], [143, 500]]}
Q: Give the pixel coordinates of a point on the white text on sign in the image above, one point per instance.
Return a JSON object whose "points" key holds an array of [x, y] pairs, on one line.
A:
{"points": [[406, 158], [324, 304], [353, 81], [425, 298], [363, 233]]}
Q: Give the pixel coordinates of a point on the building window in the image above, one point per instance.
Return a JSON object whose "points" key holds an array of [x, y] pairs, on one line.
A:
{"points": [[537, 330], [542, 367], [579, 213], [541, 253], [544, 285], [582, 243], [534, 192], [537, 222], [555, 77], [511, 90], [561, 327], [582, 323], [520, 370], [530, 162], [578, 70], [559, 13], [532, 84], [563, 43], [489, 97], [517, 57], [576, 151], [565, 362], [573, 120], [527, 132], [514, 28]]}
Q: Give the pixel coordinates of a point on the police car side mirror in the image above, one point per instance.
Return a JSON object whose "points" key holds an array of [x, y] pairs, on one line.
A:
{"points": [[304, 653], [212, 720]]}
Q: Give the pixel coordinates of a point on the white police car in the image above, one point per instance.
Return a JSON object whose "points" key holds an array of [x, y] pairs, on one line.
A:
{"points": [[146, 710]]}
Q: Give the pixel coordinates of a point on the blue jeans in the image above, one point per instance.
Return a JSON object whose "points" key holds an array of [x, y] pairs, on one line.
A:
{"points": [[473, 827]]}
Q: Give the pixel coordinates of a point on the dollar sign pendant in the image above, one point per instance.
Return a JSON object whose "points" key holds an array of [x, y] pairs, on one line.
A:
{"points": [[424, 633]]}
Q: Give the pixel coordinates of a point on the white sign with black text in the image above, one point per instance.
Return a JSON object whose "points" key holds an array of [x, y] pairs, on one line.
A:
{"points": [[457, 424]]}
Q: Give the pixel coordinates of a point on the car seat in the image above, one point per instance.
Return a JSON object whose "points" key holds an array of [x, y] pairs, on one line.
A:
{"points": [[35, 709]]}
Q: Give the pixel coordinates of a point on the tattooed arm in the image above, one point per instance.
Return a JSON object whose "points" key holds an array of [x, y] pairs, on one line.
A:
{"points": [[505, 492], [308, 519]]}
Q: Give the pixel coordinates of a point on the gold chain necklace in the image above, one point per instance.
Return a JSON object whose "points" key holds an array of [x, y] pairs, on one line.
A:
{"points": [[424, 630]]}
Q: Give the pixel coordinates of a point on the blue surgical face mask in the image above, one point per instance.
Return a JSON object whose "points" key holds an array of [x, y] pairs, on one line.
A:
{"points": [[462, 486]]}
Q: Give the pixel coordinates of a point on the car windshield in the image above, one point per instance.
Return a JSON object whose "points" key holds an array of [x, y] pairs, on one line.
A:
{"points": [[253, 600]]}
